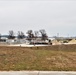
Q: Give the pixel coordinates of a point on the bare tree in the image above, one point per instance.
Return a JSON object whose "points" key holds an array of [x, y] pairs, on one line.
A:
{"points": [[0, 36], [43, 34], [11, 34], [36, 33], [30, 34], [21, 35]]}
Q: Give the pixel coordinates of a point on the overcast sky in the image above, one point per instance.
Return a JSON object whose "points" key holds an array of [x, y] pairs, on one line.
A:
{"points": [[53, 16]]}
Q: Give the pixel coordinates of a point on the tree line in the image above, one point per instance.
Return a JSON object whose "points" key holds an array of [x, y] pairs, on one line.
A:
{"points": [[30, 34]]}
